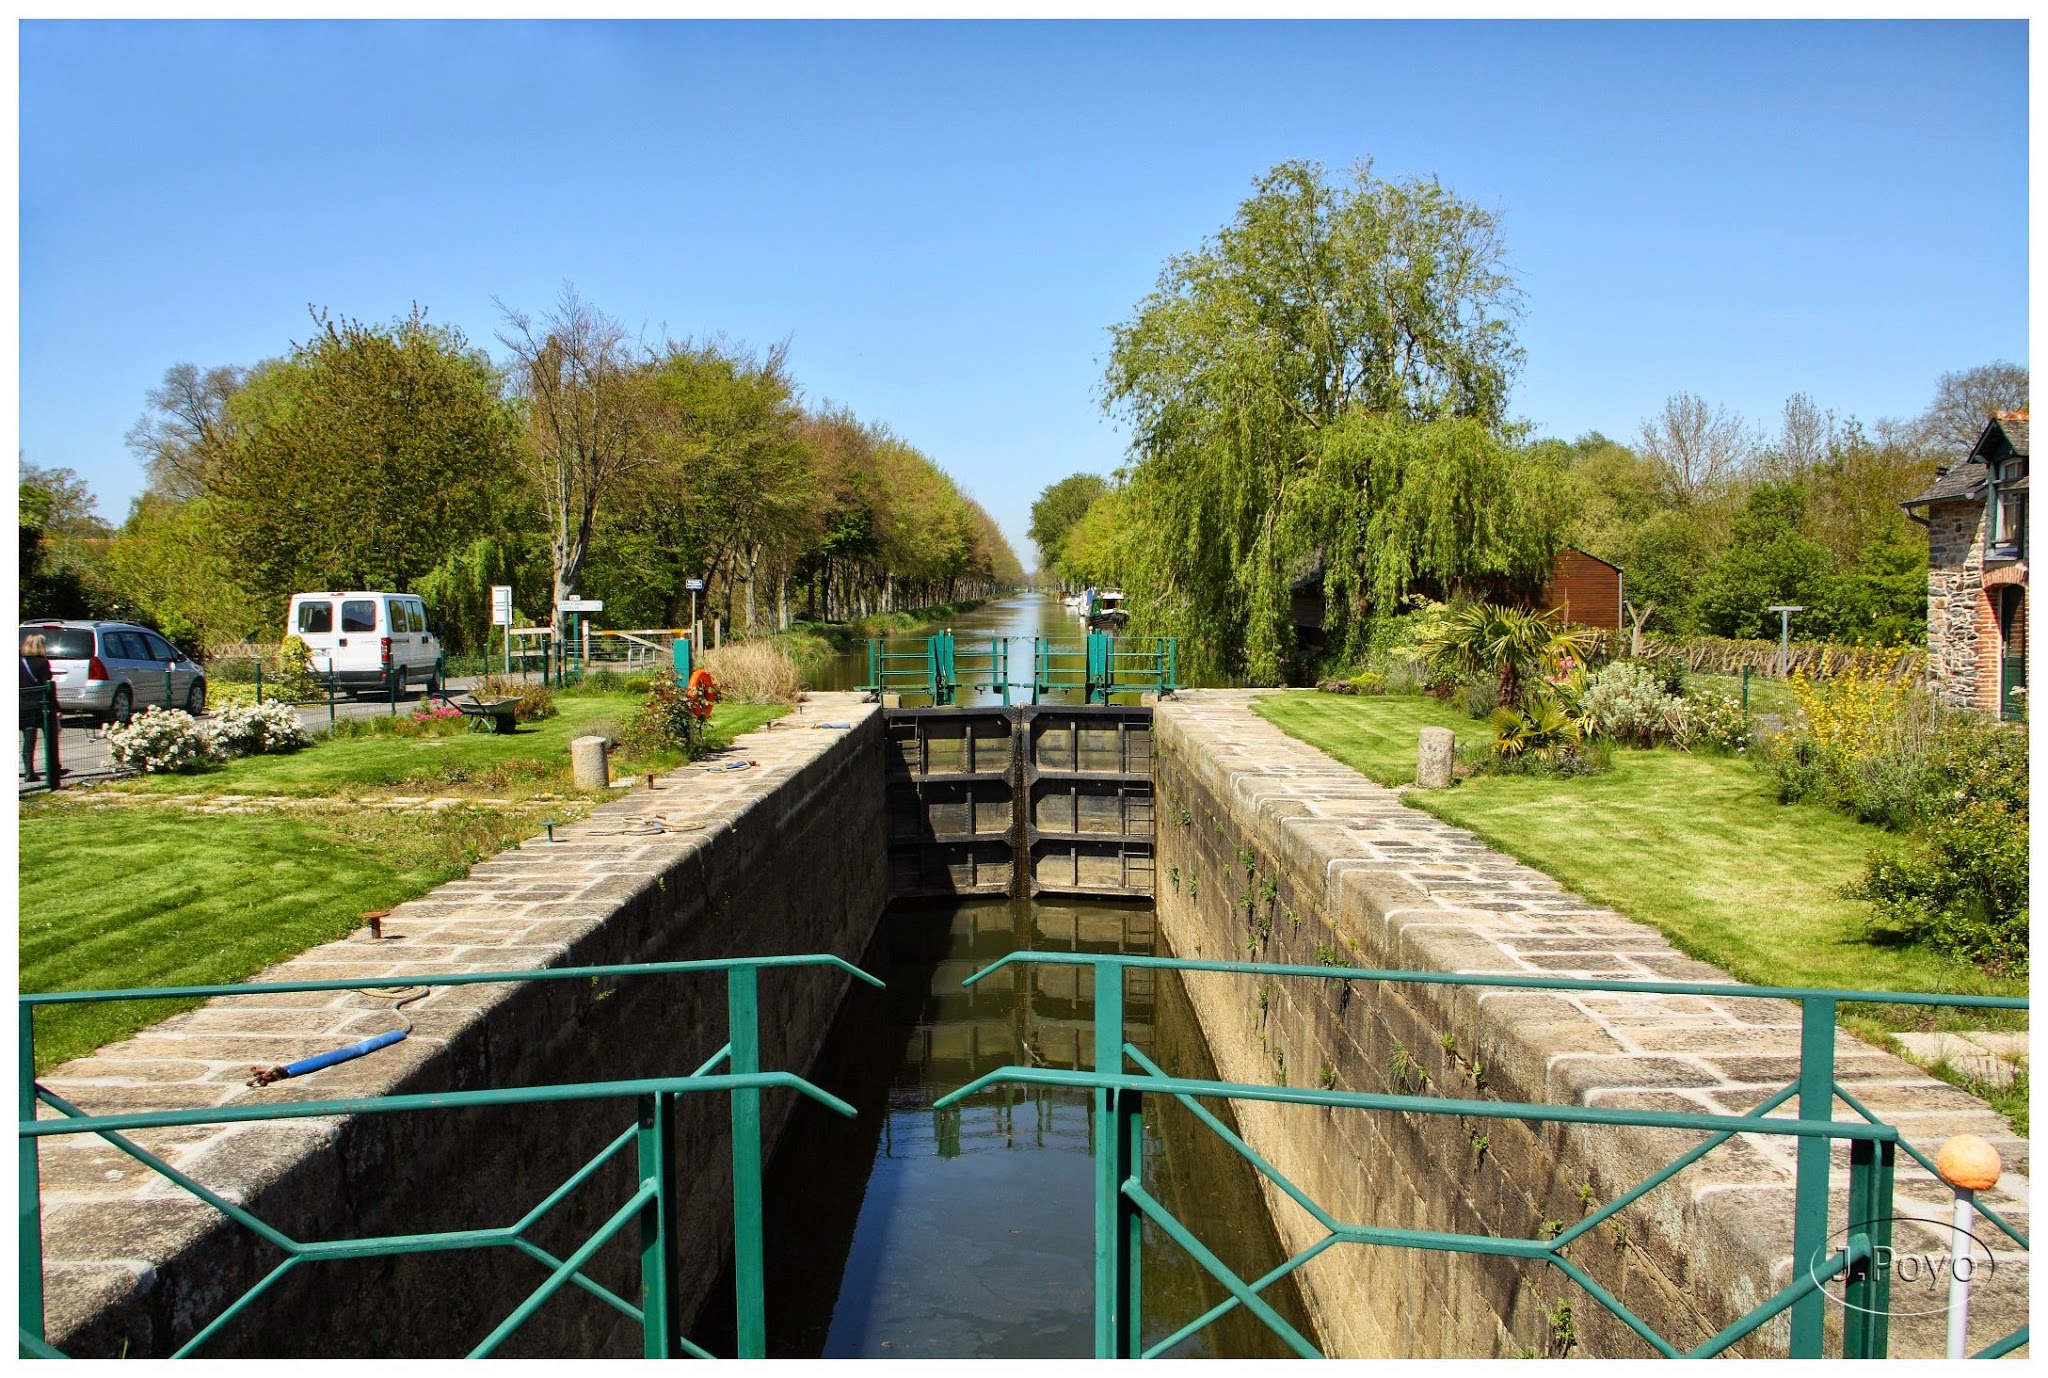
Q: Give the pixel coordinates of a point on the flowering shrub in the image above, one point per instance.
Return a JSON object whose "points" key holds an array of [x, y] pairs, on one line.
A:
{"points": [[1717, 721], [1627, 702], [252, 729], [158, 739], [1854, 714], [664, 721]]}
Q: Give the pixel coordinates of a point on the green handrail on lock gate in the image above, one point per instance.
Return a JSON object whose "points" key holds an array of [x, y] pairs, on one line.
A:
{"points": [[651, 1204], [1122, 1204], [1093, 669]]}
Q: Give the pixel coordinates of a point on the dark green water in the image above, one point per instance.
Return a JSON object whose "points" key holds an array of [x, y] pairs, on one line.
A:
{"points": [[912, 1232]]}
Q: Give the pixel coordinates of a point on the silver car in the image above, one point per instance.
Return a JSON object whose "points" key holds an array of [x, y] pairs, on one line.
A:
{"points": [[113, 669]]}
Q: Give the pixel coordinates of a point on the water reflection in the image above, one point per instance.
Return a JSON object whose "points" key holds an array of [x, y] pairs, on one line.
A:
{"points": [[913, 1232], [1021, 617]]}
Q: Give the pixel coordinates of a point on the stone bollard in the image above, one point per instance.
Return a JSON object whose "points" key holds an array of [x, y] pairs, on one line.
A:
{"points": [[1433, 760], [586, 759]]}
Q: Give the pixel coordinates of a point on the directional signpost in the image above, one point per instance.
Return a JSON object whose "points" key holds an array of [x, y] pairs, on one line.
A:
{"points": [[501, 616], [695, 586], [571, 608]]}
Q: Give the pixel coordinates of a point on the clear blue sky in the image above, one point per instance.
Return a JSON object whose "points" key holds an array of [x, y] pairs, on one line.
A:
{"points": [[944, 218]]}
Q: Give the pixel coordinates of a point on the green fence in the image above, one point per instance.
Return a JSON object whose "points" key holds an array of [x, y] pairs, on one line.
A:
{"points": [[650, 1206], [936, 669], [1123, 1204], [1856, 1254]]}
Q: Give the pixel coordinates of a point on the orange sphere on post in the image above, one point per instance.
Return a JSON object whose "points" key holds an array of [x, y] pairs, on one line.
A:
{"points": [[1968, 1162]]}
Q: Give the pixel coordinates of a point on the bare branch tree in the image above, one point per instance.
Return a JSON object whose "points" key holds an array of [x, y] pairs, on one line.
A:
{"points": [[181, 438], [1700, 449], [577, 376], [1965, 402], [1807, 437]]}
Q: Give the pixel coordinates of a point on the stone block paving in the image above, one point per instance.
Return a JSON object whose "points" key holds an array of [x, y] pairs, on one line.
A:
{"points": [[1449, 902], [107, 1219]]}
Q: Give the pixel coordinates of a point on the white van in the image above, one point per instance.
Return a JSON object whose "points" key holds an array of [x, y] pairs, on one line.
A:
{"points": [[368, 640]]}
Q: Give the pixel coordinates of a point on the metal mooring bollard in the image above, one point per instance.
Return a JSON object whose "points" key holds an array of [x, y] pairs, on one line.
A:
{"points": [[1433, 758], [1969, 1165]]}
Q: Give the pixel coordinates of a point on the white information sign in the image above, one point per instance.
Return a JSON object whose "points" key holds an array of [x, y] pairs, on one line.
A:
{"points": [[501, 605], [579, 604]]}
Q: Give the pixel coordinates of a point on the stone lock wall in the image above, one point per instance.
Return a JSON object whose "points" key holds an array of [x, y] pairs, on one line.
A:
{"points": [[786, 857], [1271, 851]]}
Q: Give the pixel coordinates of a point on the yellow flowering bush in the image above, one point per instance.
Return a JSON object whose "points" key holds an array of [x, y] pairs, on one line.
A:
{"points": [[1858, 713]]}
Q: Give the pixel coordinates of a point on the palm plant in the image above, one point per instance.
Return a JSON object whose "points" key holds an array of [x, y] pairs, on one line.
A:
{"points": [[1512, 646], [1543, 728]]}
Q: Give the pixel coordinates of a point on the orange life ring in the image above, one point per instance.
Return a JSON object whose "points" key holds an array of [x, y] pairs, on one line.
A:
{"points": [[702, 693]]}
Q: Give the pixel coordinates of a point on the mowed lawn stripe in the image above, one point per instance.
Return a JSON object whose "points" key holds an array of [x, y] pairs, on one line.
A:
{"points": [[1694, 845], [155, 893], [151, 899]]}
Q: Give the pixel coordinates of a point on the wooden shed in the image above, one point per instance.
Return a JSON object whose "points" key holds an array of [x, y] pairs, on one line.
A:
{"points": [[1585, 588]]}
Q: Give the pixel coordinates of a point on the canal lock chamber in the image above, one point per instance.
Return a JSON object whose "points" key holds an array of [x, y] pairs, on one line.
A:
{"points": [[914, 1231]]}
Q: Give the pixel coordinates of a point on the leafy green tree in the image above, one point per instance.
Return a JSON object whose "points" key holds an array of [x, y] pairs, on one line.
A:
{"points": [[1663, 567], [1093, 550], [171, 568], [363, 459], [1444, 508], [1314, 303], [1057, 509], [1766, 561], [1614, 491], [1882, 599], [61, 546]]}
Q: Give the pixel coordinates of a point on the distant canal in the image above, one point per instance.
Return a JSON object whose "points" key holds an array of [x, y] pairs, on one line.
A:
{"points": [[917, 1233], [1020, 618]]}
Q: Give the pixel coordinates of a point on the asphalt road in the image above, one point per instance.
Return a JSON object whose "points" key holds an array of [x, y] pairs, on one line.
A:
{"points": [[82, 750]]}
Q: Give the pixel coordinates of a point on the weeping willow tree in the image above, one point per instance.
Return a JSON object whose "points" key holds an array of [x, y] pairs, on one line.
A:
{"points": [[1301, 390]]}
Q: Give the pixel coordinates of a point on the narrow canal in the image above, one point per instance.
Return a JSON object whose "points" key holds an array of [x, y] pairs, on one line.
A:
{"points": [[917, 1233], [1019, 618]]}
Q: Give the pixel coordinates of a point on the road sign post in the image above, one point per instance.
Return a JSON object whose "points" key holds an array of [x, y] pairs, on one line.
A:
{"points": [[571, 607], [501, 618]]}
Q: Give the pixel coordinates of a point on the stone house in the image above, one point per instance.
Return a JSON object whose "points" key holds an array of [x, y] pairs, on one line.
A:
{"points": [[1975, 513]]}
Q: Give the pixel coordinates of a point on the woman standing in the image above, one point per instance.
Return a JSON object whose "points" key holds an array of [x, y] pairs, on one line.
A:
{"points": [[35, 673]]}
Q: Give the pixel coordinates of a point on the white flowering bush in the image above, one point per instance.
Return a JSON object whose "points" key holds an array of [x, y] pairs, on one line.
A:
{"points": [[252, 729], [1627, 702], [1718, 721], [158, 739]]}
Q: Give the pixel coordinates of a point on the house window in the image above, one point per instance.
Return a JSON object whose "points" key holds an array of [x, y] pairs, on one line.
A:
{"points": [[2009, 508]]}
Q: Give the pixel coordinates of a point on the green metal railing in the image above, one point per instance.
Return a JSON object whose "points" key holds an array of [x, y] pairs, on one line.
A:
{"points": [[651, 1204], [1090, 670], [39, 709], [1123, 1205]]}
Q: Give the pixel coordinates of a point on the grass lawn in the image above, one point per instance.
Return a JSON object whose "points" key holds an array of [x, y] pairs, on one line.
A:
{"points": [[1374, 734], [1694, 845], [536, 757], [155, 894]]}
